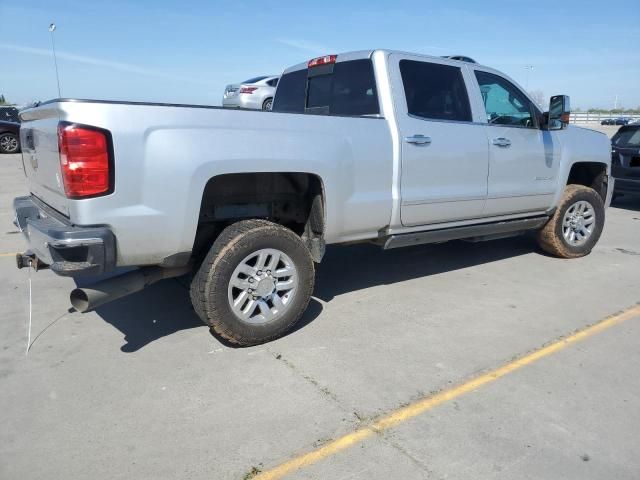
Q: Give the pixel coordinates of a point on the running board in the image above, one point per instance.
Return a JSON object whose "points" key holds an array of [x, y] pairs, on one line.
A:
{"points": [[485, 231]]}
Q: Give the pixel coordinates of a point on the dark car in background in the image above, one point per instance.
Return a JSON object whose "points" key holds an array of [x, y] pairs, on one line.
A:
{"points": [[616, 121], [9, 137], [625, 160]]}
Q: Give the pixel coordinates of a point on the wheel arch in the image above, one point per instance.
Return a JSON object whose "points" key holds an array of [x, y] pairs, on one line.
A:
{"points": [[590, 174], [296, 200]]}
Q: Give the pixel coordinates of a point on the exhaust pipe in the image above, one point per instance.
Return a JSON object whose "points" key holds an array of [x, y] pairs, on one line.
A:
{"points": [[88, 298]]}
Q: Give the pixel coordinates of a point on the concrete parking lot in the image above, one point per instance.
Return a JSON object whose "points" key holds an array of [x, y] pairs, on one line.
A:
{"points": [[437, 361]]}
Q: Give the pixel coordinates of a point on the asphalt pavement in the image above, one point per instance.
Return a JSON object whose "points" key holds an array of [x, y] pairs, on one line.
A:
{"points": [[141, 390]]}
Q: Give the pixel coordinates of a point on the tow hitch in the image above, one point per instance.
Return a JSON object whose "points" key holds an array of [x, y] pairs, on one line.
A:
{"points": [[30, 259]]}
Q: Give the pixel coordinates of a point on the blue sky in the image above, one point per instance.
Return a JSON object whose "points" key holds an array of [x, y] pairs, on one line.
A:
{"points": [[186, 52]]}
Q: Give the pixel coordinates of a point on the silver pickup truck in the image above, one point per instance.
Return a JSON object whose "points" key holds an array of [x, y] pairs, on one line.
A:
{"points": [[373, 146]]}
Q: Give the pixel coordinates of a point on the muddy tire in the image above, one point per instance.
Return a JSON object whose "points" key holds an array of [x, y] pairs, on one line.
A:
{"points": [[576, 225], [254, 284]]}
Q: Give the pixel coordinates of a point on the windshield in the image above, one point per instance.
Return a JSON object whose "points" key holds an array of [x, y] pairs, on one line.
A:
{"points": [[254, 80], [627, 137]]}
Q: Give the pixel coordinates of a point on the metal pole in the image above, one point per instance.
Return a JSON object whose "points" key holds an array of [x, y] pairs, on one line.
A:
{"points": [[52, 28]]}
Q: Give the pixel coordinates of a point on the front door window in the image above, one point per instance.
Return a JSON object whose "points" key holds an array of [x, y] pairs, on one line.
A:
{"points": [[504, 103]]}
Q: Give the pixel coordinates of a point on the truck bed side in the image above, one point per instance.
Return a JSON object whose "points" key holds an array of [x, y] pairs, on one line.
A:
{"points": [[164, 155]]}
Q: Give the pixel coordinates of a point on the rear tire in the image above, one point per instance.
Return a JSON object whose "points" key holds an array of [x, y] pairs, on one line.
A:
{"points": [[576, 225], [9, 143], [267, 104], [250, 264]]}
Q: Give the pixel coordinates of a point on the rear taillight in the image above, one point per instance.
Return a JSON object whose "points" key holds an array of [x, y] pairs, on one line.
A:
{"points": [[85, 160], [327, 59], [248, 89]]}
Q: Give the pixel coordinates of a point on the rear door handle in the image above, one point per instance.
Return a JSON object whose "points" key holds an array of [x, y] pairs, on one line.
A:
{"points": [[418, 140], [502, 142]]}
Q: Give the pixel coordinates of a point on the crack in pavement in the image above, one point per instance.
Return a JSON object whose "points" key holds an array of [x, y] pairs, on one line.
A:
{"points": [[322, 389], [361, 419]]}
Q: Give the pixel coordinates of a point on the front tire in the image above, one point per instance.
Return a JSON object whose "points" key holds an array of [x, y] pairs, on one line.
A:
{"points": [[9, 143], [576, 225], [255, 283]]}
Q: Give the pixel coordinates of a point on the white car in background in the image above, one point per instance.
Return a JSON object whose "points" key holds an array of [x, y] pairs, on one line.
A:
{"points": [[256, 93]]}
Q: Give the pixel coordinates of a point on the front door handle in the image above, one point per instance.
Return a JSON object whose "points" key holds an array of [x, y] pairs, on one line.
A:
{"points": [[502, 142], [418, 140]]}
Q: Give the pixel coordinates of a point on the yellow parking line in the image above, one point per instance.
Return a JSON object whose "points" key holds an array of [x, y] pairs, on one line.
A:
{"points": [[410, 411], [7, 254]]}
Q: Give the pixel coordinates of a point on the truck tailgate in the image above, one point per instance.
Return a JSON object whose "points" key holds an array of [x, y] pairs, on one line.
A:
{"points": [[40, 156]]}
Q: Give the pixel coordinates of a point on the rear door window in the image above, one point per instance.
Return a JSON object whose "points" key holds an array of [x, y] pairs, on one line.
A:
{"points": [[435, 91], [348, 88]]}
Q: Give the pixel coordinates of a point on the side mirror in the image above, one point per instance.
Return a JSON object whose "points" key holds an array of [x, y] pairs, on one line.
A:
{"points": [[559, 112]]}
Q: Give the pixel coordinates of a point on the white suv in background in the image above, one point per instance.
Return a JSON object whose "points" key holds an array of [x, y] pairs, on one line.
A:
{"points": [[256, 93]]}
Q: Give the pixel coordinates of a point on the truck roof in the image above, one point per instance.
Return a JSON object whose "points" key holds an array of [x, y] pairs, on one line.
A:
{"points": [[358, 54]]}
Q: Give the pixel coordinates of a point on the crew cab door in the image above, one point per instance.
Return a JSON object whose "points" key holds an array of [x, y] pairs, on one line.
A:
{"points": [[444, 153], [523, 158]]}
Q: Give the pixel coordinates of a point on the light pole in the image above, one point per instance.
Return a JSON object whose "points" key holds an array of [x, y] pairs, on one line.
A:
{"points": [[529, 68], [52, 28]]}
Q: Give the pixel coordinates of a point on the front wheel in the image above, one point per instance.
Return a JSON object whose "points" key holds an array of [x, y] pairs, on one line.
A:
{"points": [[576, 225], [9, 143], [255, 282]]}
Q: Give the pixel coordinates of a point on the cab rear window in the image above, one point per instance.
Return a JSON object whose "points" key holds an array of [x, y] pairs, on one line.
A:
{"points": [[349, 88], [290, 95]]}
